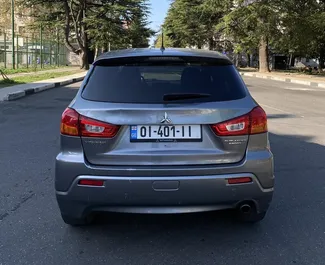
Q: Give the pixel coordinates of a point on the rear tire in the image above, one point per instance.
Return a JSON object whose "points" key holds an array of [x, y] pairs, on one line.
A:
{"points": [[87, 220]]}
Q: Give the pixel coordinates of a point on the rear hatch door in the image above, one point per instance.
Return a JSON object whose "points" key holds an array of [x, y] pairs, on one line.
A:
{"points": [[164, 110]]}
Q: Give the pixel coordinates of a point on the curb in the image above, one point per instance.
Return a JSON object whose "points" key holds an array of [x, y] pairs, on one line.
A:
{"points": [[287, 80], [37, 89]]}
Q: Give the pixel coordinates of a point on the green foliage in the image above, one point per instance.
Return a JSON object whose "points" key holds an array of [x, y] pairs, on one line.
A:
{"points": [[93, 24], [192, 22], [246, 24], [123, 24], [139, 32], [292, 27], [167, 41]]}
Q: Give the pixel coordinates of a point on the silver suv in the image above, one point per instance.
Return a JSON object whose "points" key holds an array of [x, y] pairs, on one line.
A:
{"points": [[163, 131]]}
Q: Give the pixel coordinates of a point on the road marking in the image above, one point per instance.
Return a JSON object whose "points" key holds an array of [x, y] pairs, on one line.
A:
{"points": [[280, 110], [303, 89]]}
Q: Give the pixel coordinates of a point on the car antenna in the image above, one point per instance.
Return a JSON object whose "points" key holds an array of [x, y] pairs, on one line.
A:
{"points": [[162, 41]]}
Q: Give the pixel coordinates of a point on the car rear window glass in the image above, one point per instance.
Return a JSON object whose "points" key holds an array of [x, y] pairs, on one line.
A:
{"points": [[149, 81]]}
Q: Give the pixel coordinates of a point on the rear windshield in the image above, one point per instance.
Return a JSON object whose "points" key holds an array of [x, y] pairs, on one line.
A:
{"points": [[150, 82]]}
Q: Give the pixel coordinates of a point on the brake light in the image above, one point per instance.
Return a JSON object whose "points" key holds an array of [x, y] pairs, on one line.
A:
{"points": [[252, 123], [74, 124]]}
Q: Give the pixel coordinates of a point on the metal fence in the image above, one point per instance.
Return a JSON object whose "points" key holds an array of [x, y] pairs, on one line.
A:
{"points": [[36, 49]]}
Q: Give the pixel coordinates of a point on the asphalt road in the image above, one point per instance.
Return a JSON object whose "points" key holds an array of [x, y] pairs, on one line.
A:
{"points": [[31, 230]]}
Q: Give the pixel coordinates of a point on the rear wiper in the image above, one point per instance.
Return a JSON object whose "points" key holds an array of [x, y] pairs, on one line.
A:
{"points": [[181, 96]]}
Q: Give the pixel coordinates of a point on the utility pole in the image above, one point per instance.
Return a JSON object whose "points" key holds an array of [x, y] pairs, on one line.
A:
{"points": [[41, 48], [5, 58], [13, 32], [109, 42]]}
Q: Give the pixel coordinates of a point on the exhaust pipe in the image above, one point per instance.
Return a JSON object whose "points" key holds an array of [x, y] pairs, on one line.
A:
{"points": [[245, 208]]}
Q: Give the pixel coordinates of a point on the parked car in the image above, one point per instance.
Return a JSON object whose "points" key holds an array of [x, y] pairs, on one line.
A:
{"points": [[163, 131]]}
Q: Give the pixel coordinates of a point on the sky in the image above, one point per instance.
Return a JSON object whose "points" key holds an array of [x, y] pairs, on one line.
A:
{"points": [[158, 10]]}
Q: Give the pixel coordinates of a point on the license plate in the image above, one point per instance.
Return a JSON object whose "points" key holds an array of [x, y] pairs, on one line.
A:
{"points": [[154, 133]]}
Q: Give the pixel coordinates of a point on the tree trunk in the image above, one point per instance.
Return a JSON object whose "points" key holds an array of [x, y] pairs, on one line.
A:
{"points": [[321, 60], [321, 64], [290, 61], [84, 60], [248, 60], [212, 44], [238, 60], [263, 55], [84, 35], [81, 35], [234, 58], [96, 52]]}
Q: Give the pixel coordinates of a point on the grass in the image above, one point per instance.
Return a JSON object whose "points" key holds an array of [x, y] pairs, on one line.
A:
{"points": [[31, 69], [33, 78]]}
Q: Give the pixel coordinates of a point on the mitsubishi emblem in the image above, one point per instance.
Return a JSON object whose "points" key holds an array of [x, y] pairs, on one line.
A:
{"points": [[165, 119]]}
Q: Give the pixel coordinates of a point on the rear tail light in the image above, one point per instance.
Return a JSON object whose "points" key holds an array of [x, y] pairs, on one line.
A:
{"points": [[258, 121], [252, 123], [91, 182], [74, 124], [70, 122]]}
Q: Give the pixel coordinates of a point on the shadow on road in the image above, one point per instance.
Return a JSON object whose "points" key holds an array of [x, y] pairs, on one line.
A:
{"points": [[281, 116]]}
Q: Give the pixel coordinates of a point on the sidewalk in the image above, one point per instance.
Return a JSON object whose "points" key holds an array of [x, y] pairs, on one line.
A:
{"points": [[19, 91], [308, 80]]}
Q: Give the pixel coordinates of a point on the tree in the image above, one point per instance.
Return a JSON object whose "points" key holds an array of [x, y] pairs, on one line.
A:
{"points": [[291, 27], [253, 24], [80, 20], [295, 28], [303, 29], [123, 26], [138, 30], [5, 14], [191, 22], [21, 14], [318, 25], [212, 13], [179, 23], [167, 41]]}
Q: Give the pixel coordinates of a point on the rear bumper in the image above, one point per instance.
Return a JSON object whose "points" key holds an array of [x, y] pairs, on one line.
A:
{"points": [[175, 194]]}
